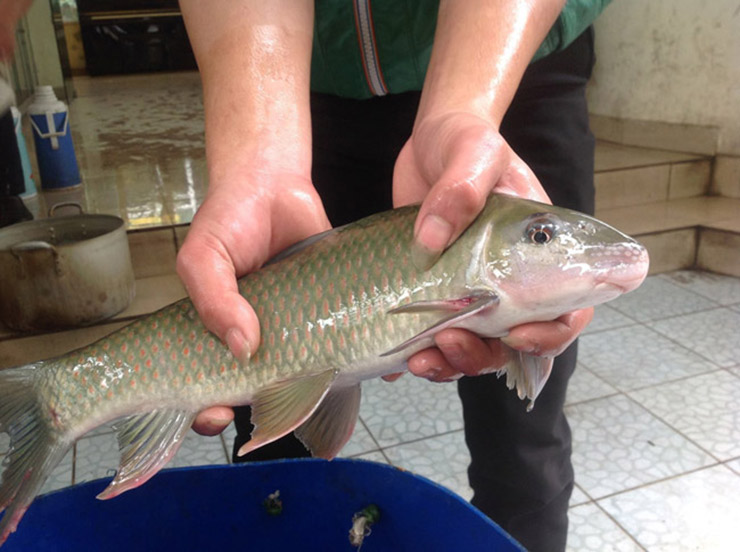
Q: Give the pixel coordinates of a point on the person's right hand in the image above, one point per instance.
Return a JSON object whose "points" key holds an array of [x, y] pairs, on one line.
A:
{"points": [[240, 225], [10, 12]]}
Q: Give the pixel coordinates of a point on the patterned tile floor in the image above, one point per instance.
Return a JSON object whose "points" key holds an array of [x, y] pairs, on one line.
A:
{"points": [[653, 407]]}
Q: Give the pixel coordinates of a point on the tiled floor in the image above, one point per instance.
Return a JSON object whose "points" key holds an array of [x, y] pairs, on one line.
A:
{"points": [[653, 407]]}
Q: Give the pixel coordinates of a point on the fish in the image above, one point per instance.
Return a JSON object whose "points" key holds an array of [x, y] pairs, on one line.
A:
{"points": [[339, 308]]}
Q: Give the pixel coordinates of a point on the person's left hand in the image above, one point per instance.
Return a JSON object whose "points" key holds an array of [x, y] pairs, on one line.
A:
{"points": [[451, 164]]}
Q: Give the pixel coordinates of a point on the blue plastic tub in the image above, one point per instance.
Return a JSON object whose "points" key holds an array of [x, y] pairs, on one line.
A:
{"points": [[221, 508]]}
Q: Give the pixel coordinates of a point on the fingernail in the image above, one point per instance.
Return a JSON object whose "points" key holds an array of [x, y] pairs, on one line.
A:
{"points": [[238, 345], [431, 372], [433, 237], [218, 422], [519, 344]]}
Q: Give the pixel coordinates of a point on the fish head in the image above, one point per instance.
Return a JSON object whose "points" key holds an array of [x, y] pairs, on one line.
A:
{"points": [[549, 260]]}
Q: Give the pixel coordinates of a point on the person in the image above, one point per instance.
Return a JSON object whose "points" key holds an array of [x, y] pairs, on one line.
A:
{"points": [[313, 110], [12, 208]]}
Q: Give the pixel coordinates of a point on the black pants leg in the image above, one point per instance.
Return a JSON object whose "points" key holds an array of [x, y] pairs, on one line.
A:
{"points": [[520, 471], [12, 184]]}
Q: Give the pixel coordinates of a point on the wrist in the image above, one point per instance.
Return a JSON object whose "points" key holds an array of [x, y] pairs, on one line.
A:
{"points": [[481, 50]]}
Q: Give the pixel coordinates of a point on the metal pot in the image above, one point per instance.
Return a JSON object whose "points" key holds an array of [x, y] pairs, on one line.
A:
{"points": [[64, 272]]}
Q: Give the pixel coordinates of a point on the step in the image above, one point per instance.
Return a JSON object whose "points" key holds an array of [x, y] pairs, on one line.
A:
{"points": [[702, 232], [627, 175]]}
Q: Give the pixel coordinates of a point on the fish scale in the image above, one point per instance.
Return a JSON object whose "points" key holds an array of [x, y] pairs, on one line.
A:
{"points": [[152, 361], [342, 307]]}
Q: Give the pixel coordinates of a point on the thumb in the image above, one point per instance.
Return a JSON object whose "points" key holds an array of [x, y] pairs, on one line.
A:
{"points": [[215, 294]]}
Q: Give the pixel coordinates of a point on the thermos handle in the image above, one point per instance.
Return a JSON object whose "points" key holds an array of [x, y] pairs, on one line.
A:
{"points": [[53, 134]]}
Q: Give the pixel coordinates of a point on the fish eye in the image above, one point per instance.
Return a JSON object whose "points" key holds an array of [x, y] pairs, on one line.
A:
{"points": [[540, 232]]}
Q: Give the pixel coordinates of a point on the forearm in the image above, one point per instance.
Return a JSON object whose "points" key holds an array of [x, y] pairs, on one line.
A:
{"points": [[481, 50], [254, 60]]}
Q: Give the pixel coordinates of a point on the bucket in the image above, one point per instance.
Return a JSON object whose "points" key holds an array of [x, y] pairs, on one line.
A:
{"points": [[222, 508], [52, 136]]}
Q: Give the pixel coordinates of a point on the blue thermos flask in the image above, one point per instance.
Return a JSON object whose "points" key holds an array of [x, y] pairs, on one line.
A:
{"points": [[55, 151]]}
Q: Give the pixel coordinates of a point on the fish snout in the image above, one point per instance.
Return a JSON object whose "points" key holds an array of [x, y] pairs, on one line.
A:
{"points": [[623, 265]]}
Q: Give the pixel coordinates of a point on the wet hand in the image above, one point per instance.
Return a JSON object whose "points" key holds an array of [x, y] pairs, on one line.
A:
{"points": [[451, 164], [240, 226]]}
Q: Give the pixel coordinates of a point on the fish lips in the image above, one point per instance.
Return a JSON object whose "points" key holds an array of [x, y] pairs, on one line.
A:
{"points": [[623, 269]]}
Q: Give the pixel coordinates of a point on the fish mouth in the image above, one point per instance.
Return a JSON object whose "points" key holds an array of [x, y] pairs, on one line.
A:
{"points": [[625, 271]]}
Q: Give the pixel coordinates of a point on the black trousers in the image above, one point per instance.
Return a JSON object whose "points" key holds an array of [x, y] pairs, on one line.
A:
{"points": [[520, 470], [11, 171]]}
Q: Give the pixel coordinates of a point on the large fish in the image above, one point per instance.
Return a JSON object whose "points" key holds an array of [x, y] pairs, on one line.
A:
{"points": [[339, 308]]}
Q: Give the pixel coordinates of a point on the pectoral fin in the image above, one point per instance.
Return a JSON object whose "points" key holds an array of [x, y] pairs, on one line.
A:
{"points": [[528, 374], [279, 409], [461, 308], [330, 427], [147, 442]]}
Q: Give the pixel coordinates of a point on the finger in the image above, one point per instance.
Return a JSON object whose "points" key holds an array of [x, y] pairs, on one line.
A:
{"points": [[210, 279], [393, 377], [475, 164], [432, 365], [549, 338], [467, 353], [213, 421], [519, 180]]}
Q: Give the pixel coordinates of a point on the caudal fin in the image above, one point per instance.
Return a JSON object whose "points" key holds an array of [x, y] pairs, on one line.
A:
{"points": [[35, 449]]}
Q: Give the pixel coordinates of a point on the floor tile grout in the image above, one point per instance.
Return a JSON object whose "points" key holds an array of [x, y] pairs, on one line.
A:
{"points": [[616, 522], [676, 430]]}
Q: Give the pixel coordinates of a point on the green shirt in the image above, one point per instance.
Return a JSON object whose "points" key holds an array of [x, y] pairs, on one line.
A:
{"points": [[364, 48]]}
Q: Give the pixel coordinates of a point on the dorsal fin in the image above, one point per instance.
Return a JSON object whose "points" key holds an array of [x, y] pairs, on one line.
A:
{"points": [[301, 245]]}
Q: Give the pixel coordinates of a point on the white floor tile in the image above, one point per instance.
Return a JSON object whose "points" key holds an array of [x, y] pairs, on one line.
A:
{"points": [[375, 456], [703, 408], [410, 408], [96, 457], [712, 334], [724, 290], [636, 356], [584, 385], [618, 445], [442, 459], [590, 529], [361, 442], [658, 298], [199, 450], [578, 497], [607, 318], [698, 511], [61, 476]]}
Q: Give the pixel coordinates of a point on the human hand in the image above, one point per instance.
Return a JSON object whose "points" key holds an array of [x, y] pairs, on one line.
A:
{"points": [[452, 163], [10, 12], [240, 226]]}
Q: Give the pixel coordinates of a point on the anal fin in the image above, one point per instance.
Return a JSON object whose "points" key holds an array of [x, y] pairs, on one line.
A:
{"points": [[330, 427], [147, 442], [527, 374], [280, 408]]}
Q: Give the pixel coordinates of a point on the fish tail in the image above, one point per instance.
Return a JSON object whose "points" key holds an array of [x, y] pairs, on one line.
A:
{"points": [[35, 449]]}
